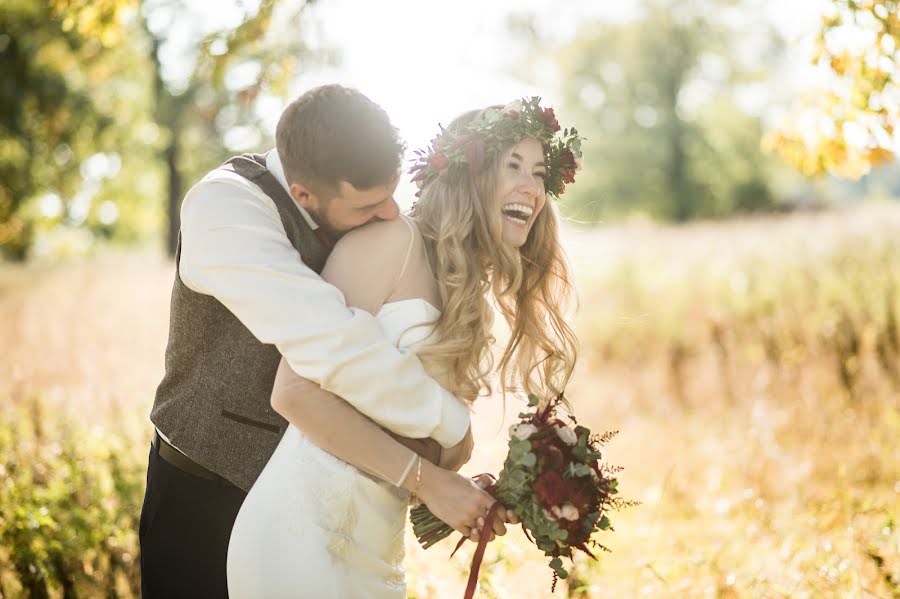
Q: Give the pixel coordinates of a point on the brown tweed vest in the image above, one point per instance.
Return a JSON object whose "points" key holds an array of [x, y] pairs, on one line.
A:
{"points": [[213, 402]]}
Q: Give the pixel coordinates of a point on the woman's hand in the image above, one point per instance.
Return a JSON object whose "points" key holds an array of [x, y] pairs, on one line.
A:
{"points": [[503, 516], [457, 500]]}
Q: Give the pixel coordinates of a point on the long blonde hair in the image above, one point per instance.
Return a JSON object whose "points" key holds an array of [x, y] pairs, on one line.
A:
{"points": [[461, 224]]}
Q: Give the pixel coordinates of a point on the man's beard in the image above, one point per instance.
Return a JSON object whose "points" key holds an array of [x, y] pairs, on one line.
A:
{"points": [[319, 215], [320, 218]]}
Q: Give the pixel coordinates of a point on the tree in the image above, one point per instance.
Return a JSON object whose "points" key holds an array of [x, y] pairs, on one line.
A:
{"points": [[55, 111], [848, 124], [109, 106], [231, 69], [655, 99]]}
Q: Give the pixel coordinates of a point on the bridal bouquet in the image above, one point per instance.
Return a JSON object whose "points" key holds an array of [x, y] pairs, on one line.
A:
{"points": [[553, 481]]}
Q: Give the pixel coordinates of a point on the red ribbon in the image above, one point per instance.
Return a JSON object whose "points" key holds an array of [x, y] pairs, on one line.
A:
{"points": [[482, 541], [479, 551]]}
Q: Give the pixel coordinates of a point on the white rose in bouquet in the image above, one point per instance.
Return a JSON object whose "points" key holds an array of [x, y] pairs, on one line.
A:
{"points": [[569, 512], [567, 434], [522, 431]]}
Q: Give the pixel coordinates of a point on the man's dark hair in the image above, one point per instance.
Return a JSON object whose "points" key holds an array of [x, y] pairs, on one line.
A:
{"points": [[334, 133]]}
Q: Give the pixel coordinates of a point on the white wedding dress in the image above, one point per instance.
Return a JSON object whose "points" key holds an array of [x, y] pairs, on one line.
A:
{"points": [[315, 526]]}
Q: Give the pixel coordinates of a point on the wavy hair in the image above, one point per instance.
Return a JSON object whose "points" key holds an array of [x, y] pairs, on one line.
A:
{"points": [[461, 224]]}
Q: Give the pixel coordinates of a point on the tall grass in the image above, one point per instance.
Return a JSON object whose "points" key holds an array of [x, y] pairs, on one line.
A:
{"points": [[752, 368]]}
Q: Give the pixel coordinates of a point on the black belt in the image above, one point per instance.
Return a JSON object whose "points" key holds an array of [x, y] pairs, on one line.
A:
{"points": [[167, 452]]}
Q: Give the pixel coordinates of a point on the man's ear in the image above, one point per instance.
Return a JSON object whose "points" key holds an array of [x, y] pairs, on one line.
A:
{"points": [[302, 196]]}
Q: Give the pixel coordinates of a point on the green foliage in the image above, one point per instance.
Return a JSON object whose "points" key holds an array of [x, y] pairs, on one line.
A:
{"points": [[67, 92], [655, 100], [70, 498]]}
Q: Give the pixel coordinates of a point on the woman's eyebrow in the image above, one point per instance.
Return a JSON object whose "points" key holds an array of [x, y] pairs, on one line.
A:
{"points": [[518, 157]]}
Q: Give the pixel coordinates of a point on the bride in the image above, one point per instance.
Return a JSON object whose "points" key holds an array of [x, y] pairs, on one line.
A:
{"points": [[326, 518]]}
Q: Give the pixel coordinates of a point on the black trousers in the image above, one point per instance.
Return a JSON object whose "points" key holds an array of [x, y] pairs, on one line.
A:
{"points": [[186, 522]]}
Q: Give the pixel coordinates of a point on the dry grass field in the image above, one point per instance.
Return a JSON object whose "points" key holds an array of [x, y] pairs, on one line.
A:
{"points": [[752, 369]]}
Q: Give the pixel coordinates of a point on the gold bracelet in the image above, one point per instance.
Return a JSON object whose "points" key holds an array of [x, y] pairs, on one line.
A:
{"points": [[418, 477]]}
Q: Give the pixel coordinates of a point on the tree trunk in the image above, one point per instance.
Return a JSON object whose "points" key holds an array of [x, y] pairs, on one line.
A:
{"points": [[677, 178], [175, 192], [166, 115]]}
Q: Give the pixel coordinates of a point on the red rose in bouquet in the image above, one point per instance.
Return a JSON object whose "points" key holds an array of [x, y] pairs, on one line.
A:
{"points": [[551, 489]]}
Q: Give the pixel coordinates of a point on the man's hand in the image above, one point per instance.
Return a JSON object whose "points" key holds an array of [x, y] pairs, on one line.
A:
{"points": [[454, 457], [427, 448]]}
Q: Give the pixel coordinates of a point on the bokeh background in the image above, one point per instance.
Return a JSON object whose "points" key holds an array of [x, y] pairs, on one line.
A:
{"points": [[734, 234]]}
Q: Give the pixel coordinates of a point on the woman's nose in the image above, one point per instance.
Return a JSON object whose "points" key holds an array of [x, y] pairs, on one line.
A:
{"points": [[530, 185]]}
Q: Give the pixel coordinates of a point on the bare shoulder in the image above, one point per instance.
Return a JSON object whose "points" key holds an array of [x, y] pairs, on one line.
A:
{"points": [[365, 263], [379, 240]]}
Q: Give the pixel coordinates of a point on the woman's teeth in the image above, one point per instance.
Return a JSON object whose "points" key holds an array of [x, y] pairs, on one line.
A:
{"points": [[518, 213]]}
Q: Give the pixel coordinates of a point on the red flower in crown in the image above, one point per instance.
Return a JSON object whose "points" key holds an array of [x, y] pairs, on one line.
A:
{"points": [[474, 153], [550, 119], [439, 161], [567, 165]]}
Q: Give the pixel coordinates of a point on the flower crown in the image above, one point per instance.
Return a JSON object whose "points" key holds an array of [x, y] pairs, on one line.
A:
{"points": [[493, 130]]}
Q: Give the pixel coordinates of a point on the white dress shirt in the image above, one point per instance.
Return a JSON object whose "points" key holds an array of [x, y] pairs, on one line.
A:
{"points": [[234, 248]]}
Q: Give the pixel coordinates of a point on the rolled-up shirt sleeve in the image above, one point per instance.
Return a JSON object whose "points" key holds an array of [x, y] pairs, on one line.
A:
{"points": [[235, 249]]}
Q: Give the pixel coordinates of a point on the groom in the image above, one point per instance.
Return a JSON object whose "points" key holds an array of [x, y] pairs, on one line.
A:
{"points": [[255, 233]]}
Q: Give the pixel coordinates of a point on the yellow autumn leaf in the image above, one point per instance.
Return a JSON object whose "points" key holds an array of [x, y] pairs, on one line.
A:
{"points": [[879, 155]]}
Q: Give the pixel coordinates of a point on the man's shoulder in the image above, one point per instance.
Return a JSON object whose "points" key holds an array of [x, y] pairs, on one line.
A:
{"points": [[222, 186], [222, 176]]}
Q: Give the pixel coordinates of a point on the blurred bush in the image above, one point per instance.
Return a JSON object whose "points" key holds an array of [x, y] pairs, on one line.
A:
{"points": [[70, 499]]}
